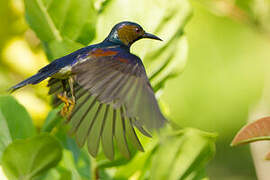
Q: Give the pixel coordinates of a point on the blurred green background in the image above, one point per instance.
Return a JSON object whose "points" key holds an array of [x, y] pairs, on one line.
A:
{"points": [[228, 57]]}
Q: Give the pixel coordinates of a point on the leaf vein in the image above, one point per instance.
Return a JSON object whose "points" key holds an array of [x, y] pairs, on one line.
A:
{"points": [[50, 21]]}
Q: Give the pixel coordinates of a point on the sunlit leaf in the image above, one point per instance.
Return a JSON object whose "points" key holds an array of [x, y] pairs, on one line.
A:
{"points": [[19, 124], [5, 137], [172, 157], [105, 163], [55, 49], [61, 25], [255, 131], [25, 159], [182, 155], [140, 164]]}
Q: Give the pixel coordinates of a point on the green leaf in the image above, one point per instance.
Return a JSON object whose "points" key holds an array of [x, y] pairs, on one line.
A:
{"points": [[25, 159], [68, 164], [140, 163], [68, 169], [182, 155], [83, 164], [52, 120], [19, 124], [55, 49], [73, 155], [62, 24], [5, 137], [172, 157]]}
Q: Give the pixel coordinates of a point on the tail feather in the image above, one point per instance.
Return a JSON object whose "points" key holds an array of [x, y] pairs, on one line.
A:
{"points": [[49, 70], [40, 76]]}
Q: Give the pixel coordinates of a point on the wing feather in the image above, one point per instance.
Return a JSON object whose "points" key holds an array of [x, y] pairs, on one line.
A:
{"points": [[133, 91], [112, 97], [94, 131], [86, 122], [140, 128], [120, 134], [107, 134], [132, 136], [110, 93]]}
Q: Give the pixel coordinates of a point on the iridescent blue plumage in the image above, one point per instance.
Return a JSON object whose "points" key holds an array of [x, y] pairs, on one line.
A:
{"points": [[105, 90], [53, 68]]}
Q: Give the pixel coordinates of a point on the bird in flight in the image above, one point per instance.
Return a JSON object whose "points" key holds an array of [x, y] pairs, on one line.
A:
{"points": [[105, 91]]}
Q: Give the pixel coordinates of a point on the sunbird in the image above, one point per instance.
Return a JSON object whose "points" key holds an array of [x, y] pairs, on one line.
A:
{"points": [[105, 91]]}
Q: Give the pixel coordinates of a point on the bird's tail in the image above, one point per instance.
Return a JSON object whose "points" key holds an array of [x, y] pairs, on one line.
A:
{"points": [[40, 76]]}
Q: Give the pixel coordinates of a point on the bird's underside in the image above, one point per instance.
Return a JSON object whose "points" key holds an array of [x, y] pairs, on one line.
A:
{"points": [[105, 102]]}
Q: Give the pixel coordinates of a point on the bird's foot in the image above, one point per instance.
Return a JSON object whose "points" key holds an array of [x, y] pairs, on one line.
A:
{"points": [[69, 104]]}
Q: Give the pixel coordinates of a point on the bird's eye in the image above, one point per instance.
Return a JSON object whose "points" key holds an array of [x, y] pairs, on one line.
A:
{"points": [[137, 30]]}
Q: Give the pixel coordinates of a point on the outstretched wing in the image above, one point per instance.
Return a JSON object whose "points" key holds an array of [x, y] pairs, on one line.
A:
{"points": [[121, 82], [113, 95]]}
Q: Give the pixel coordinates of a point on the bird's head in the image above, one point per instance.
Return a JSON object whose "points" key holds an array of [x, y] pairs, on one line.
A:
{"points": [[127, 33]]}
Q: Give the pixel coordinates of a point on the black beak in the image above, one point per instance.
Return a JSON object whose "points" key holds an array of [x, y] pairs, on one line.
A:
{"points": [[151, 36]]}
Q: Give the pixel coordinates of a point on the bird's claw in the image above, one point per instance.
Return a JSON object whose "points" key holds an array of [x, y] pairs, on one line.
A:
{"points": [[69, 104]]}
